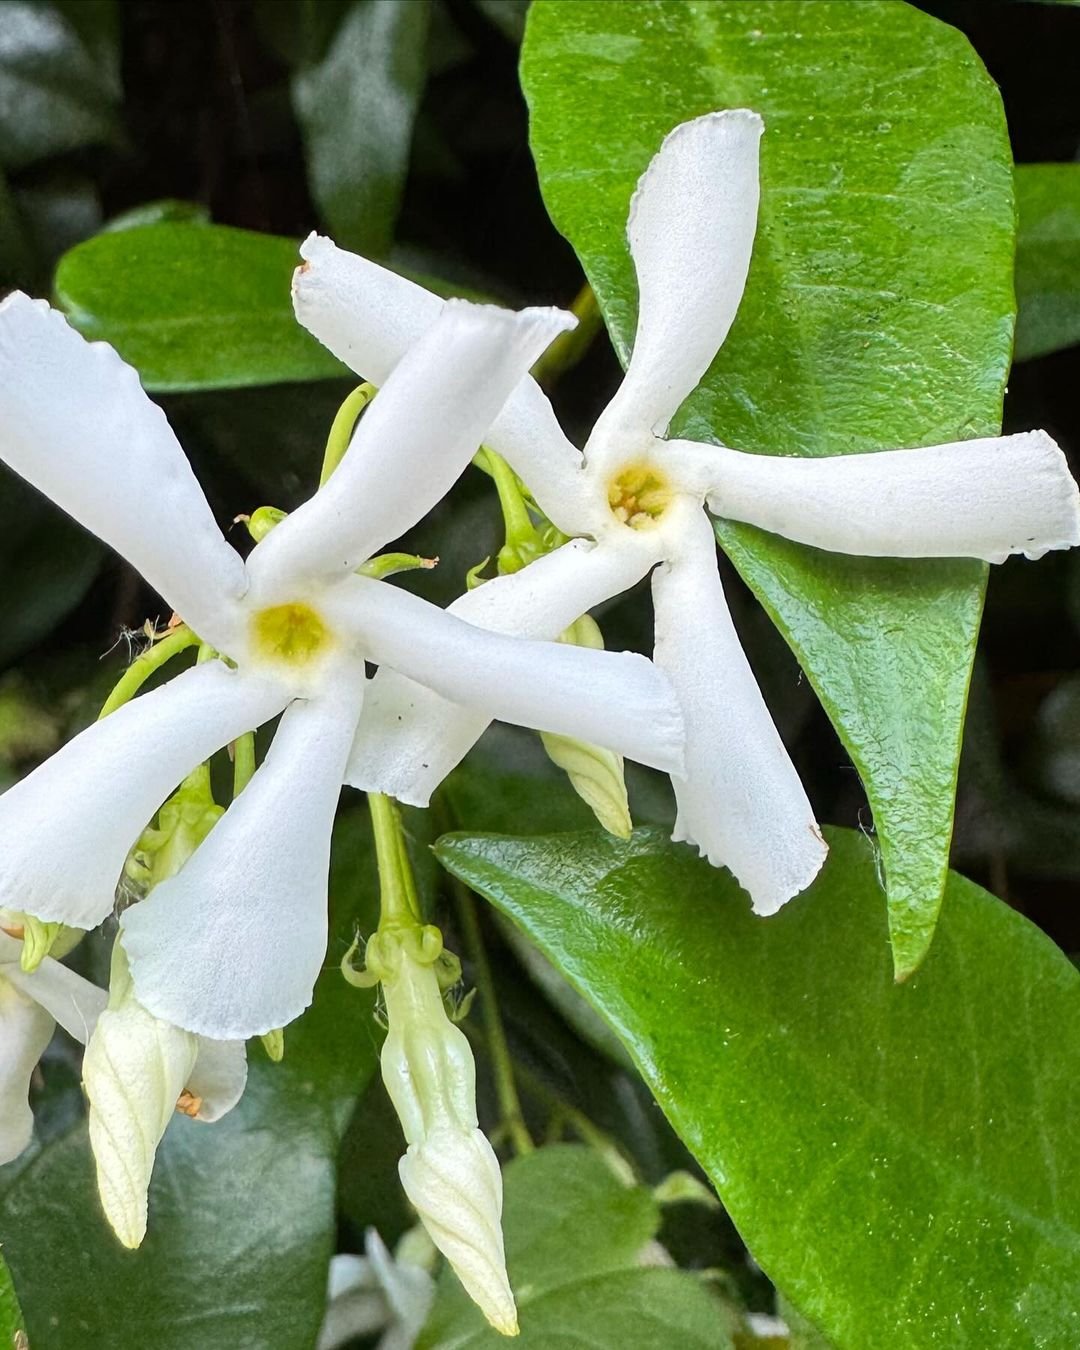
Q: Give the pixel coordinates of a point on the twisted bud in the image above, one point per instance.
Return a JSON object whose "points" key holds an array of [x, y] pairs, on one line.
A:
{"points": [[449, 1171]]}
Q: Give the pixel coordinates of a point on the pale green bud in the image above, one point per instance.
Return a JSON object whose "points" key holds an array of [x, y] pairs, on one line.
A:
{"points": [[261, 522], [134, 1071], [273, 1042], [449, 1171], [596, 775]]}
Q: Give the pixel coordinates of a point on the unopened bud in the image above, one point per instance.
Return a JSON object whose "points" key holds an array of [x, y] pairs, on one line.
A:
{"points": [[597, 775], [449, 1171], [134, 1071]]}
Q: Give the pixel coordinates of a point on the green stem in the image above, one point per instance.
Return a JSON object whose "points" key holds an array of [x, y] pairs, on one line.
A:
{"points": [[144, 666], [243, 762], [516, 519], [499, 1050], [400, 906], [341, 429]]}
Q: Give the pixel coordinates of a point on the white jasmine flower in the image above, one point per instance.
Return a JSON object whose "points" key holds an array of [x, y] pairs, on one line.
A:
{"points": [[31, 1004], [138, 1071], [449, 1171], [639, 497], [232, 945], [377, 1293]]}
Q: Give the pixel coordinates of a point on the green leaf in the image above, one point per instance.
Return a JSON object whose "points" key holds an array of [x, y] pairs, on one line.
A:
{"points": [[1047, 258], [574, 1238], [193, 306], [11, 1322], [47, 564], [901, 1160], [242, 1219], [59, 79], [878, 313], [356, 107]]}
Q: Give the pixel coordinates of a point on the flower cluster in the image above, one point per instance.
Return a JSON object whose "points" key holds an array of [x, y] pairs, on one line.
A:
{"points": [[226, 931]]}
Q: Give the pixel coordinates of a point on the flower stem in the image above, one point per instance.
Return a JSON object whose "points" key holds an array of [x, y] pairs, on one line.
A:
{"points": [[516, 519], [399, 903], [499, 1050], [144, 666], [243, 762], [341, 429]]}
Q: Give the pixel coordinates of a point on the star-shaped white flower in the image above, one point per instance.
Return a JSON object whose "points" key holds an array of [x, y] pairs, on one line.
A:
{"points": [[639, 500], [232, 945]]}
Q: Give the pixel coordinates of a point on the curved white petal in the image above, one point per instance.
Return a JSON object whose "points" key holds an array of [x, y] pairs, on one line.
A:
{"points": [[691, 232], [410, 737], [75, 422], [615, 699], [412, 444], [369, 317], [66, 829], [25, 1031], [219, 1077], [741, 801], [70, 1000], [231, 946], [985, 498]]}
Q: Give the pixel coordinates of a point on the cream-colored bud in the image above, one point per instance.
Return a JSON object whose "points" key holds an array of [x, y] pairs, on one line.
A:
{"points": [[454, 1183], [134, 1072], [596, 775], [25, 1031], [450, 1172]]}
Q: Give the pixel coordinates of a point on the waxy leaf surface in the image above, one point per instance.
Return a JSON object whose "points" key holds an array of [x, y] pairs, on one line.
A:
{"points": [[901, 1159], [878, 314]]}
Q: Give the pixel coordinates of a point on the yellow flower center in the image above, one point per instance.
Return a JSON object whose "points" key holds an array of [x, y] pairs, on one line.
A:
{"points": [[639, 495], [293, 634]]}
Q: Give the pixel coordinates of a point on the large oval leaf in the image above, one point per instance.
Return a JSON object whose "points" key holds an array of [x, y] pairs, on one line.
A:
{"points": [[878, 313], [902, 1160], [193, 306]]}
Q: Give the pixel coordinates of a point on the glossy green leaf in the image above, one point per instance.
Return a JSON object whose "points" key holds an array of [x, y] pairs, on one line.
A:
{"points": [[574, 1238], [878, 313], [46, 566], [11, 1322], [902, 1160], [59, 79], [193, 306], [242, 1219], [356, 108], [1047, 258]]}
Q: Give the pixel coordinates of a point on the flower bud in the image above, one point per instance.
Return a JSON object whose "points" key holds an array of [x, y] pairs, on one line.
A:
{"points": [[134, 1071], [25, 1031], [596, 775], [449, 1172]]}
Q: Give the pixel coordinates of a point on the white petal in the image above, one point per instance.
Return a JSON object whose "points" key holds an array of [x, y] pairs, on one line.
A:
{"points": [[369, 317], [231, 946], [455, 1185], [691, 232], [741, 801], [75, 423], [410, 737], [218, 1078], [134, 1070], [68, 998], [985, 498], [66, 829], [413, 443], [25, 1031], [615, 699]]}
